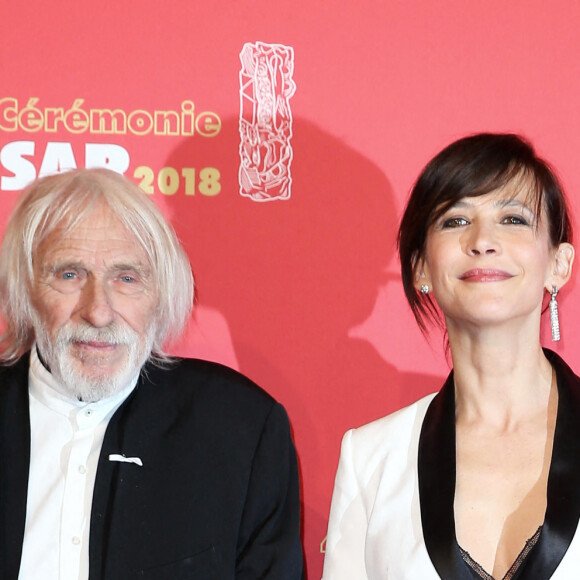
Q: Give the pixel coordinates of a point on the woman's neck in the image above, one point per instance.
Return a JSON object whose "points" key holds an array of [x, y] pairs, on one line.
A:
{"points": [[502, 376]]}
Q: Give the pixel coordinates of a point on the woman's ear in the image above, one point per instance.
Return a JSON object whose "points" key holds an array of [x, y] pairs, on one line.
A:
{"points": [[421, 277], [562, 270]]}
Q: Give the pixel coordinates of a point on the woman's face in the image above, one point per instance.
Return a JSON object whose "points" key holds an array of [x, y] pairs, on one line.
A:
{"points": [[488, 259]]}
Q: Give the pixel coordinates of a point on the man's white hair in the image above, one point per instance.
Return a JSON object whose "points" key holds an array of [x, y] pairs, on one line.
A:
{"points": [[62, 201]]}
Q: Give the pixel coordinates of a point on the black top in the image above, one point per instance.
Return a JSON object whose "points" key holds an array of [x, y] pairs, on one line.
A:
{"points": [[515, 569]]}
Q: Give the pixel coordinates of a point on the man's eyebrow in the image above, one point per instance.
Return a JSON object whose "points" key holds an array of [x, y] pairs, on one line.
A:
{"points": [[58, 265], [138, 267]]}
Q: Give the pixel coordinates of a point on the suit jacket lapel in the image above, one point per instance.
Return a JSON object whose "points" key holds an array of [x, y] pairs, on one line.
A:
{"points": [[563, 509], [14, 464], [105, 491], [130, 433], [436, 469]]}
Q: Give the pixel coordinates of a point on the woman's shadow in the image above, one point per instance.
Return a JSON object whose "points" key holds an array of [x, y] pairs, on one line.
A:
{"points": [[290, 279]]}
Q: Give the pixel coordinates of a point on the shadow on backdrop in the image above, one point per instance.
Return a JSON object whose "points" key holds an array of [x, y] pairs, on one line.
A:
{"points": [[291, 279]]}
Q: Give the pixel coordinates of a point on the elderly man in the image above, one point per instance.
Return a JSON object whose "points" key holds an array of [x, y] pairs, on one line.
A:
{"points": [[116, 461]]}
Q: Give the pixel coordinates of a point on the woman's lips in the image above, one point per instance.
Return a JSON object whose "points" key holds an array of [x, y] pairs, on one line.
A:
{"points": [[485, 275]]}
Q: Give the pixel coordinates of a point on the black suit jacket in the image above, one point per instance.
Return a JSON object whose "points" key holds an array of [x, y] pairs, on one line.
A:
{"points": [[217, 496]]}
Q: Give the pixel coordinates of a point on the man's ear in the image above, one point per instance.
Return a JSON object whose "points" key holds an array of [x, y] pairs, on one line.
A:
{"points": [[562, 267]]}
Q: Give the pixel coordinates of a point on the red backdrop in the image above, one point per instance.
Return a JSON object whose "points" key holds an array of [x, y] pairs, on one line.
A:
{"points": [[301, 294]]}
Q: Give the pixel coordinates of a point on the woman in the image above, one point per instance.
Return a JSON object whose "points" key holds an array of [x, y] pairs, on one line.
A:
{"points": [[481, 480]]}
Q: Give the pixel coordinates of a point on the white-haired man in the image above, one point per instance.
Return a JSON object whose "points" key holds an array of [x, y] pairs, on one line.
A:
{"points": [[116, 461]]}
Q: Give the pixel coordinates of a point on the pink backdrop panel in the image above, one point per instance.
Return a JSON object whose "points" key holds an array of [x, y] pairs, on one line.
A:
{"points": [[301, 294]]}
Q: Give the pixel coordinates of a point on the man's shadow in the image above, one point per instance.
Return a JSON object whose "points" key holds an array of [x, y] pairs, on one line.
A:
{"points": [[291, 279]]}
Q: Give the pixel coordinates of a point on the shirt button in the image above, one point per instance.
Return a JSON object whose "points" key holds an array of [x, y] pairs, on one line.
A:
{"points": [[88, 412], [82, 469], [76, 540]]}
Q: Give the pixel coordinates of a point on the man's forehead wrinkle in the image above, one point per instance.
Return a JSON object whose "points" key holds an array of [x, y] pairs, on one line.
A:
{"points": [[100, 218], [113, 265], [97, 261], [92, 234], [82, 248]]}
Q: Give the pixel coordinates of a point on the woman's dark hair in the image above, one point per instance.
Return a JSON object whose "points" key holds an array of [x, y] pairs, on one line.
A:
{"points": [[471, 167]]}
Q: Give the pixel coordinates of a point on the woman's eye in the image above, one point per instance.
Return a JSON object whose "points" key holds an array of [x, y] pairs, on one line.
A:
{"points": [[127, 279], [515, 220], [68, 276], [454, 222]]}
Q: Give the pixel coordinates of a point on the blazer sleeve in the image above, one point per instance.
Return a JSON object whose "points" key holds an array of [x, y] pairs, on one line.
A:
{"points": [[269, 545], [347, 524]]}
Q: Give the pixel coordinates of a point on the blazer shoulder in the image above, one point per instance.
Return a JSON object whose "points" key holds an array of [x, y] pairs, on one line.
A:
{"points": [[16, 370], [14, 381], [392, 424], [205, 381], [390, 436]]}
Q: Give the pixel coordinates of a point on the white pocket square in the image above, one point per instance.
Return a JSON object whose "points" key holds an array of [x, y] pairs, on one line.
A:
{"points": [[123, 459]]}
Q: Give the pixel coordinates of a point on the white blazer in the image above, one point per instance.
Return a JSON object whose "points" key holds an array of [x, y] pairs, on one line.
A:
{"points": [[392, 508]]}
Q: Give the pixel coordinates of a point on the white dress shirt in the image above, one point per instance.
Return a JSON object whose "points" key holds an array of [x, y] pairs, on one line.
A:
{"points": [[66, 439]]}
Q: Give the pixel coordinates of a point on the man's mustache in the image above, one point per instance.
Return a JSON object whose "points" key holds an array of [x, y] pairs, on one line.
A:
{"points": [[112, 334]]}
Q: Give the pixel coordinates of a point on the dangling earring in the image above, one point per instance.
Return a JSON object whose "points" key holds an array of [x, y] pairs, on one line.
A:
{"points": [[554, 320], [424, 288]]}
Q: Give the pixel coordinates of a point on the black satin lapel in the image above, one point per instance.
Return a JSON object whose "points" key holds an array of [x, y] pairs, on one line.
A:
{"points": [[563, 510], [105, 492], [14, 464], [436, 471]]}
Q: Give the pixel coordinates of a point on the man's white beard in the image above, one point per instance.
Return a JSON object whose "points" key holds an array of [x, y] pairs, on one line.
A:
{"points": [[67, 370]]}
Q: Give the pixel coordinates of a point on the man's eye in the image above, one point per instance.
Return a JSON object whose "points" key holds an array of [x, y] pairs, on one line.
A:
{"points": [[128, 279], [515, 220], [454, 222], [129, 284], [65, 281]]}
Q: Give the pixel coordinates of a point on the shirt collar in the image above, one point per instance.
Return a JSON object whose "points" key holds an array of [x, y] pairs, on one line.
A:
{"points": [[47, 390]]}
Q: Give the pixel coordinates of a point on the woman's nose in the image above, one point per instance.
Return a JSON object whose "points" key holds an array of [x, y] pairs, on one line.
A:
{"points": [[481, 240]]}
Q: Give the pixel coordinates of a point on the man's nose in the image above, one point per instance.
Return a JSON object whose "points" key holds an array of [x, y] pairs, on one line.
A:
{"points": [[96, 306]]}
